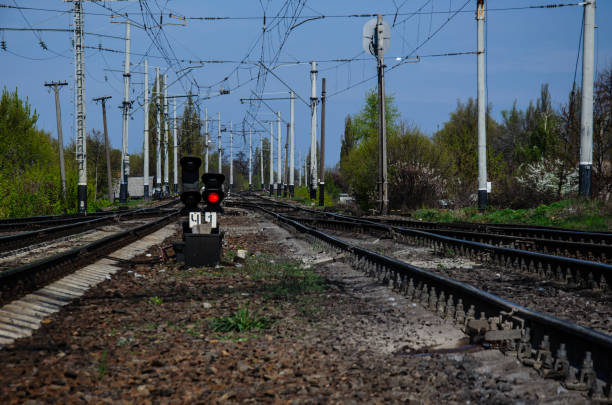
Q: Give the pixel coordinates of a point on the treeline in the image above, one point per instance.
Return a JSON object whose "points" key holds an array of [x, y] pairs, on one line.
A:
{"points": [[532, 154]]}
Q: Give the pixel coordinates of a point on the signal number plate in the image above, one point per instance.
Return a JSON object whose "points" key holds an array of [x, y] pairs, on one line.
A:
{"points": [[212, 218], [195, 218]]}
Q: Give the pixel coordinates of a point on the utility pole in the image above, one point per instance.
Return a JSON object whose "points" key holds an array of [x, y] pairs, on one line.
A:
{"points": [[175, 145], [207, 140], [261, 163], [60, 139], [300, 169], [482, 105], [107, 146], [158, 104], [322, 178], [81, 140], [250, 161], [285, 182], [166, 161], [146, 131], [279, 155], [125, 157], [271, 184], [382, 124], [586, 118], [291, 143], [231, 179], [219, 142], [313, 131]]}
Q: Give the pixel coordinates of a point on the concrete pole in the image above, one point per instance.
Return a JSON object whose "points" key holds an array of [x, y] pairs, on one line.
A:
{"points": [[231, 179], [382, 122], [300, 169], [125, 157], [166, 135], [271, 184], [291, 143], [175, 147], [482, 105], [250, 160], [261, 163], [158, 106], [219, 149], [109, 179], [80, 115], [279, 154], [285, 182], [313, 131], [207, 140], [586, 117], [146, 131], [60, 139], [322, 177]]}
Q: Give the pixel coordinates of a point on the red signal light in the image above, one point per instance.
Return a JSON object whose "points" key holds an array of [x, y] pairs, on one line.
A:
{"points": [[213, 198]]}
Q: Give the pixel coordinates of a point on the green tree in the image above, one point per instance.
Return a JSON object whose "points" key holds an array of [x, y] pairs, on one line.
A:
{"points": [[459, 139]]}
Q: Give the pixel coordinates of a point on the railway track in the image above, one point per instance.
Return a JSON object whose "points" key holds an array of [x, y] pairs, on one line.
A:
{"points": [[580, 357], [75, 225], [9, 225], [20, 280]]}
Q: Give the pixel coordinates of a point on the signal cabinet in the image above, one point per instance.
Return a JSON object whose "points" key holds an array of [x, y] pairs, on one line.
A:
{"points": [[202, 249]]}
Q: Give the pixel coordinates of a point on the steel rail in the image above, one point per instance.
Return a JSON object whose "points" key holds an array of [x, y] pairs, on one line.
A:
{"points": [[21, 280], [540, 232], [11, 223], [589, 352], [582, 273], [20, 240], [546, 246]]}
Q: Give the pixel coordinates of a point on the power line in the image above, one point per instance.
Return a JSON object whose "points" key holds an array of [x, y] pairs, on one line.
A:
{"points": [[58, 30]]}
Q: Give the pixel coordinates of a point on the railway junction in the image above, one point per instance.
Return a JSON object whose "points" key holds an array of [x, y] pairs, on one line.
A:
{"points": [[304, 306]]}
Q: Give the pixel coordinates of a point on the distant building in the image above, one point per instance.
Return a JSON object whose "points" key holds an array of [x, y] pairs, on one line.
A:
{"points": [[135, 187]]}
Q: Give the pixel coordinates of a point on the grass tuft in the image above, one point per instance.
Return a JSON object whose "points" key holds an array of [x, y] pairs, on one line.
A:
{"points": [[243, 320]]}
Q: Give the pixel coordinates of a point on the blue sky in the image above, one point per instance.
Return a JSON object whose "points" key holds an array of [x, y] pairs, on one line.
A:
{"points": [[526, 48]]}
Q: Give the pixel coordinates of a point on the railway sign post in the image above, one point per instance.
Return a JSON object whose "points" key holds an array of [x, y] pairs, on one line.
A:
{"points": [[376, 40]]}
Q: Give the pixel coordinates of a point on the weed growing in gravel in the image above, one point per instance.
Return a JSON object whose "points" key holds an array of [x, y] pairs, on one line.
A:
{"points": [[102, 365], [288, 278], [228, 256], [243, 320], [156, 300]]}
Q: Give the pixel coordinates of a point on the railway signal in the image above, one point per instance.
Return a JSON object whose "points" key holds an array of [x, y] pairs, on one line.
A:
{"points": [[190, 180], [213, 193]]}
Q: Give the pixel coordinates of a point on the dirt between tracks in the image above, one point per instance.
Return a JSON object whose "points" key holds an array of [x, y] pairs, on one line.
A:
{"points": [[328, 336]]}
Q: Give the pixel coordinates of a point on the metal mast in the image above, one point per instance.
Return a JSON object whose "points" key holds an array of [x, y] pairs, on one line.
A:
{"points": [[166, 161], [81, 144], [175, 146], [482, 105], [383, 195], [313, 131], [261, 163], [271, 184], [158, 104], [146, 130], [125, 157], [250, 160], [291, 143], [219, 142], [279, 155], [322, 178], [285, 182], [231, 183], [206, 139], [586, 118]]}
